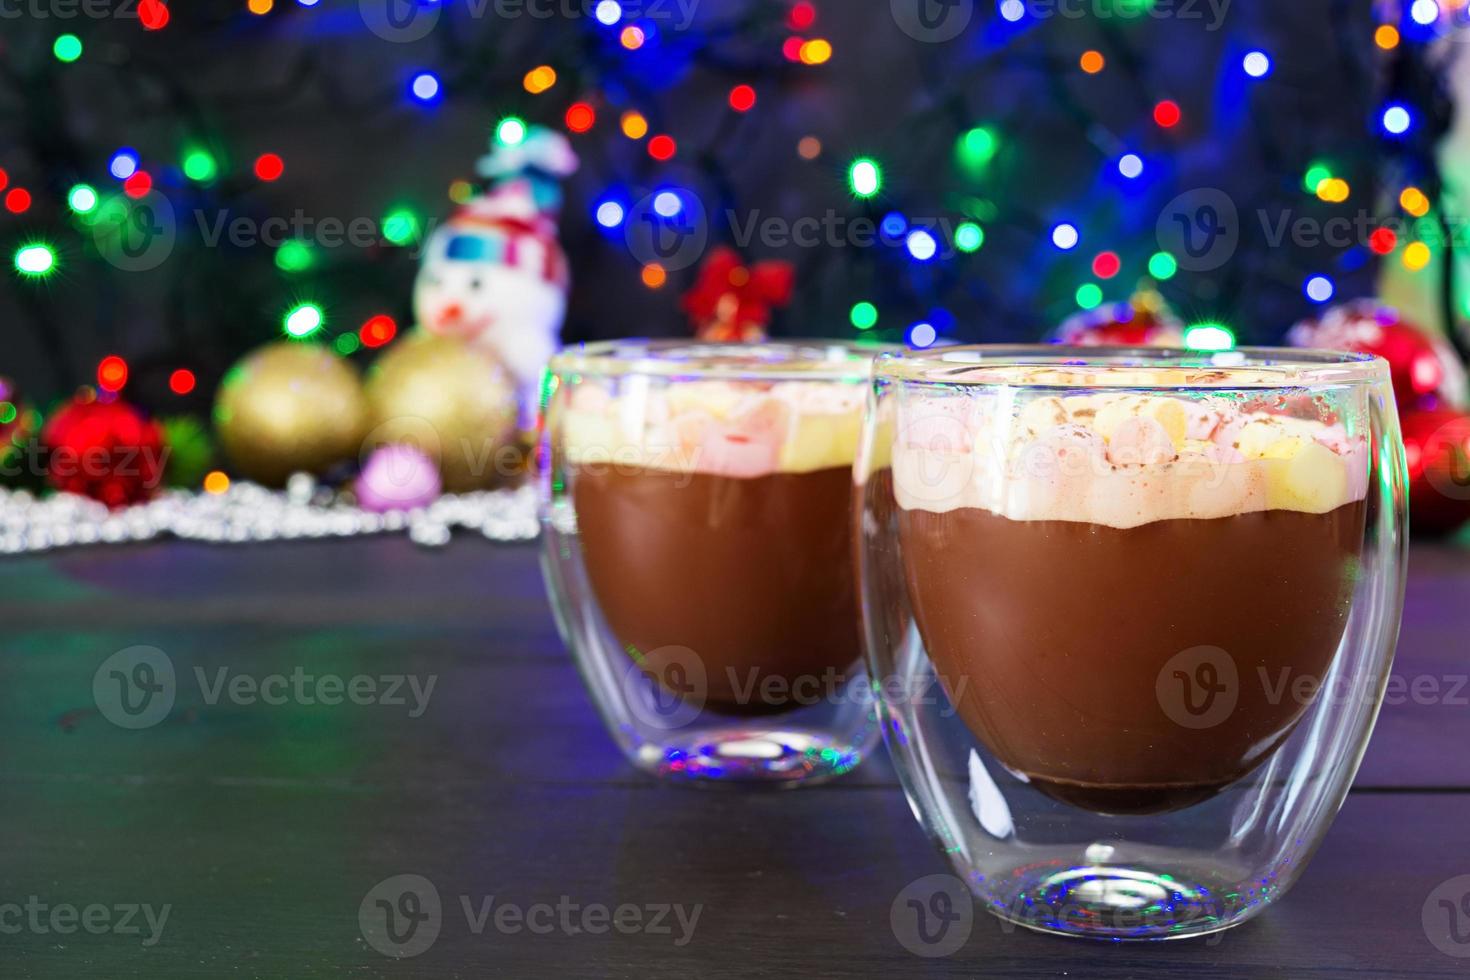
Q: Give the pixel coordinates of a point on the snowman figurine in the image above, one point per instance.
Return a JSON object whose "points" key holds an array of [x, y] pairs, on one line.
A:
{"points": [[494, 273]]}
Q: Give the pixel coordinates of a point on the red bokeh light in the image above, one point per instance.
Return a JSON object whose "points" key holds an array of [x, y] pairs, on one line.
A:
{"points": [[269, 166], [580, 117], [378, 330], [1106, 265], [803, 15], [17, 199], [138, 185], [181, 382], [662, 147], [791, 48], [112, 373], [4, 178], [1383, 241], [153, 14], [742, 98], [1167, 114]]}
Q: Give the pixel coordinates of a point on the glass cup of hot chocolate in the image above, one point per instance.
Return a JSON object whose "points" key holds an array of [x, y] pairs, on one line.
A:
{"points": [[1138, 608], [697, 507]]}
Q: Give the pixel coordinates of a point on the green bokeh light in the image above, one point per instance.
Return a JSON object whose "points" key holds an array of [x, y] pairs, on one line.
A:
{"points": [[864, 316], [295, 256], [977, 147], [1162, 266], [82, 198], [511, 131], [303, 320], [401, 227], [1316, 173], [347, 343], [1209, 336], [968, 237], [865, 177], [200, 166], [1089, 295], [36, 260], [68, 48]]}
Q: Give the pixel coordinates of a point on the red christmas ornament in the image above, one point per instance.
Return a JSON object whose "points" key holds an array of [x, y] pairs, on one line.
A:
{"points": [[1144, 321], [106, 450], [1437, 443], [1426, 373], [732, 300]]}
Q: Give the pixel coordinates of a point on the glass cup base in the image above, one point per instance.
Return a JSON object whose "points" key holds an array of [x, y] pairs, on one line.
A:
{"points": [[752, 755], [1119, 902]]}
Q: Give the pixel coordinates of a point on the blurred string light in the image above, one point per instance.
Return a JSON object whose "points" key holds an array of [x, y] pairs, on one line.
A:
{"points": [[1334, 190], [539, 79], [1012, 10], [138, 185], [1092, 62], [817, 51], [82, 198], [36, 260], [401, 226], [377, 330], [1397, 119], [461, 191], [1314, 176], [662, 148], [1089, 295], [742, 98], [216, 482], [667, 204], [17, 200], [1107, 265], [1130, 165], [269, 167], [610, 214], [634, 126], [632, 37], [1162, 266], [112, 373], [921, 245], [1383, 241], [968, 237], [608, 12], [580, 117], [153, 14], [1386, 37], [1319, 289], [864, 315], [511, 131], [1424, 12], [654, 275], [922, 334], [1168, 114], [802, 16], [303, 320], [978, 147], [865, 177], [1417, 256], [426, 87], [123, 163], [67, 48], [1209, 335], [808, 147], [347, 344], [893, 224], [294, 256], [182, 381], [1257, 64], [260, 7], [1065, 236], [1414, 201], [199, 166]]}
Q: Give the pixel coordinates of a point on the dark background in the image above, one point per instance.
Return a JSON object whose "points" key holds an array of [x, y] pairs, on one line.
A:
{"points": [[319, 88]]}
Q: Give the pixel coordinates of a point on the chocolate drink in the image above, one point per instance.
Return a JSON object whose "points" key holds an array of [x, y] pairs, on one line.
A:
{"points": [[753, 574], [1063, 633]]}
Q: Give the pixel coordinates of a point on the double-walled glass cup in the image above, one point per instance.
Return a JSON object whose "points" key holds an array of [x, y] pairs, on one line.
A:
{"points": [[697, 507], [1141, 607]]}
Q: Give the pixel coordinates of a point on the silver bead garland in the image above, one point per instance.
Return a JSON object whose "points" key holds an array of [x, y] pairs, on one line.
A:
{"points": [[247, 512]]}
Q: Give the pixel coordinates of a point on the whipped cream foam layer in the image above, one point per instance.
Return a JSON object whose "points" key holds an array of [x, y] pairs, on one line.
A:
{"points": [[1122, 459], [723, 428]]}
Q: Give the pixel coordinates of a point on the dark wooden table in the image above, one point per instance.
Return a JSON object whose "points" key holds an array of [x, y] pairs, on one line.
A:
{"points": [[263, 828]]}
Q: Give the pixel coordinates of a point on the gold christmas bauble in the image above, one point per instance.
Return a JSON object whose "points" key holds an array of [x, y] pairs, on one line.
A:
{"points": [[454, 402], [289, 407]]}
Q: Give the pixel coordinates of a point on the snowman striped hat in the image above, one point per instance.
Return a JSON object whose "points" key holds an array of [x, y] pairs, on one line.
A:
{"points": [[505, 227]]}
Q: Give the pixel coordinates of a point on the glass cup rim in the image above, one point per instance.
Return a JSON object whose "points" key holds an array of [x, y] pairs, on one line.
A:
{"points": [[1129, 368], [799, 359]]}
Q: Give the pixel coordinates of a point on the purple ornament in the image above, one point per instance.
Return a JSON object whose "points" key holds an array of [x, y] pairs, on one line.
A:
{"points": [[398, 478]]}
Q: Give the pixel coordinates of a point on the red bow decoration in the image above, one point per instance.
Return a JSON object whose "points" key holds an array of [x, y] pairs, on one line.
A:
{"points": [[732, 300]]}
